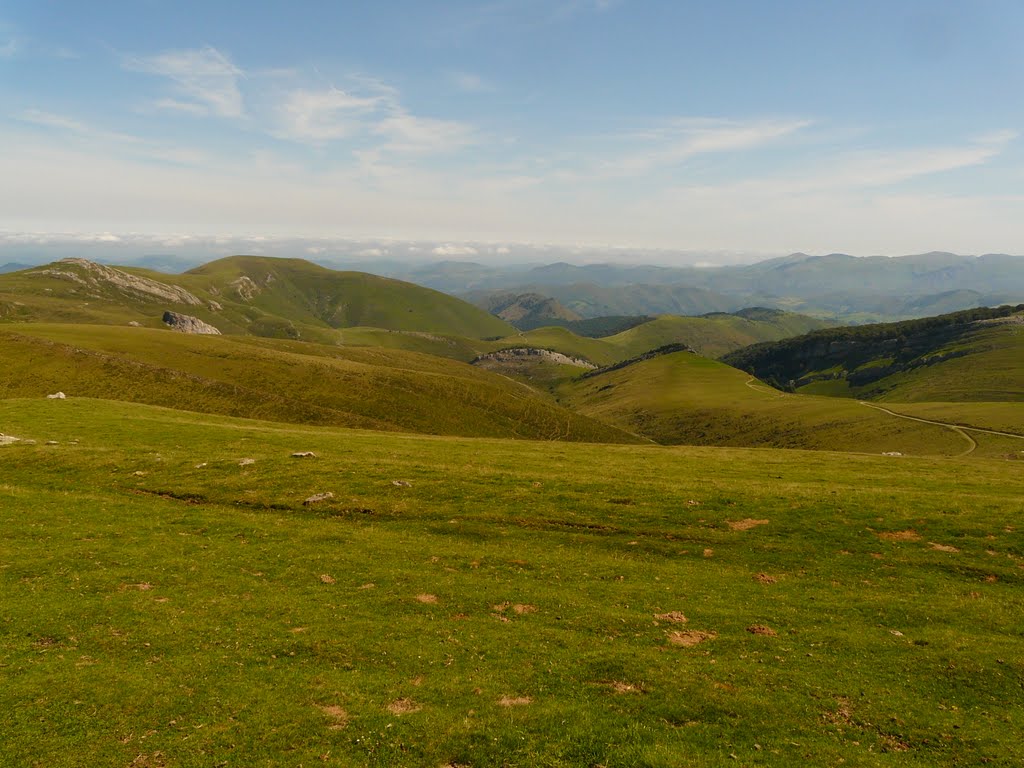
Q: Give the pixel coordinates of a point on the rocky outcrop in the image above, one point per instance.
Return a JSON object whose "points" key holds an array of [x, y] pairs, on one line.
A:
{"points": [[245, 288], [97, 276], [524, 354], [189, 324]]}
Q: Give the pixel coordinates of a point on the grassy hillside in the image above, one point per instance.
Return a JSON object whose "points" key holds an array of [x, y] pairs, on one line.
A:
{"points": [[306, 292], [971, 355], [279, 298], [684, 398], [164, 605], [710, 335], [295, 382]]}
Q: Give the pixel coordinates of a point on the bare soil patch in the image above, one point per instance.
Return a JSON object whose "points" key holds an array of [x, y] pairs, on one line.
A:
{"points": [[427, 599], [326, 578], [761, 629], [908, 535], [764, 578], [620, 687], [337, 714], [514, 701], [690, 638], [676, 617], [403, 707], [745, 525], [943, 547]]}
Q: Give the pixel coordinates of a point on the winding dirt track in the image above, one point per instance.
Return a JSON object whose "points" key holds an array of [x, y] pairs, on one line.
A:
{"points": [[958, 428]]}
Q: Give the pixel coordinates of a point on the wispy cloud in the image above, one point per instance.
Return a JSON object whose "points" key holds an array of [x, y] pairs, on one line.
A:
{"points": [[409, 134], [470, 82], [124, 142], [671, 143], [370, 114], [326, 115], [58, 122], [204, 79]]}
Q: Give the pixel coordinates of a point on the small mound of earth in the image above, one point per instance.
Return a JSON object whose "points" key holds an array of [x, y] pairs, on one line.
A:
{"points": [[427, 599], [761, 629], [764, 578], [326, 578], [403, 707], [745, 525], [690, 638], [908, 535], [943, 547], [514, 701], [676, 617]]}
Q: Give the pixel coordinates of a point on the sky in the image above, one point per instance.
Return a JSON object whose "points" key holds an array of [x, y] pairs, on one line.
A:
{"points": [[735, 126]]}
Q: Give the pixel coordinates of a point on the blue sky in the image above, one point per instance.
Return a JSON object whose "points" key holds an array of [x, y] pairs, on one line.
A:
{"points": [[821, 126]]}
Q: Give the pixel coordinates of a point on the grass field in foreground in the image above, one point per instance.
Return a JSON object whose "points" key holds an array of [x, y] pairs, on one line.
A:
{"points": [[164, 605]]}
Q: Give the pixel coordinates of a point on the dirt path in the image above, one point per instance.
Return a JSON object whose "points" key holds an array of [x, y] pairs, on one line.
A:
{"points": [[763, 389], [958, 428]]}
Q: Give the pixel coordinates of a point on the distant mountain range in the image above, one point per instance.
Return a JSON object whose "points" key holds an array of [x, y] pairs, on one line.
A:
{"points": [[837, 286]]}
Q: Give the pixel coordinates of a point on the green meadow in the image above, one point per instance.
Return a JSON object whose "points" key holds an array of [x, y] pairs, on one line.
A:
{"points": [[169, 599]]}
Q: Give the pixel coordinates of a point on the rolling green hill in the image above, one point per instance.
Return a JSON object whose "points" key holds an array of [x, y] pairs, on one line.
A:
{"points": [[683, 398], [974, 355], [304, 292], [297, 382], [282, 298]]}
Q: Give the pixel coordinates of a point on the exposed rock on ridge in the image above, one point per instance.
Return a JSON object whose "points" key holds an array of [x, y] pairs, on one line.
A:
{"points": [[91, 274], [519, 354]]}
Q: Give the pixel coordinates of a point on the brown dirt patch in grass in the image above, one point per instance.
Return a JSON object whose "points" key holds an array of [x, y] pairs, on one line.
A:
{"points": [[893, 743], [427, 599], [524, 608], [908, 535], [337, 714], [326, 578], [674, 616], [761, 629], [690, 638], [842, 716], [709, 552], [745, 525], [764, 578], [155, 760], [143, 587], [943, 547], [297, 630], [514, 701], [620, 687], [403, 707]]}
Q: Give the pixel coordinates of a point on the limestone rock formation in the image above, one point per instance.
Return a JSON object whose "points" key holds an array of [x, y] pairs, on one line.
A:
{"points": [[189, 324]]}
